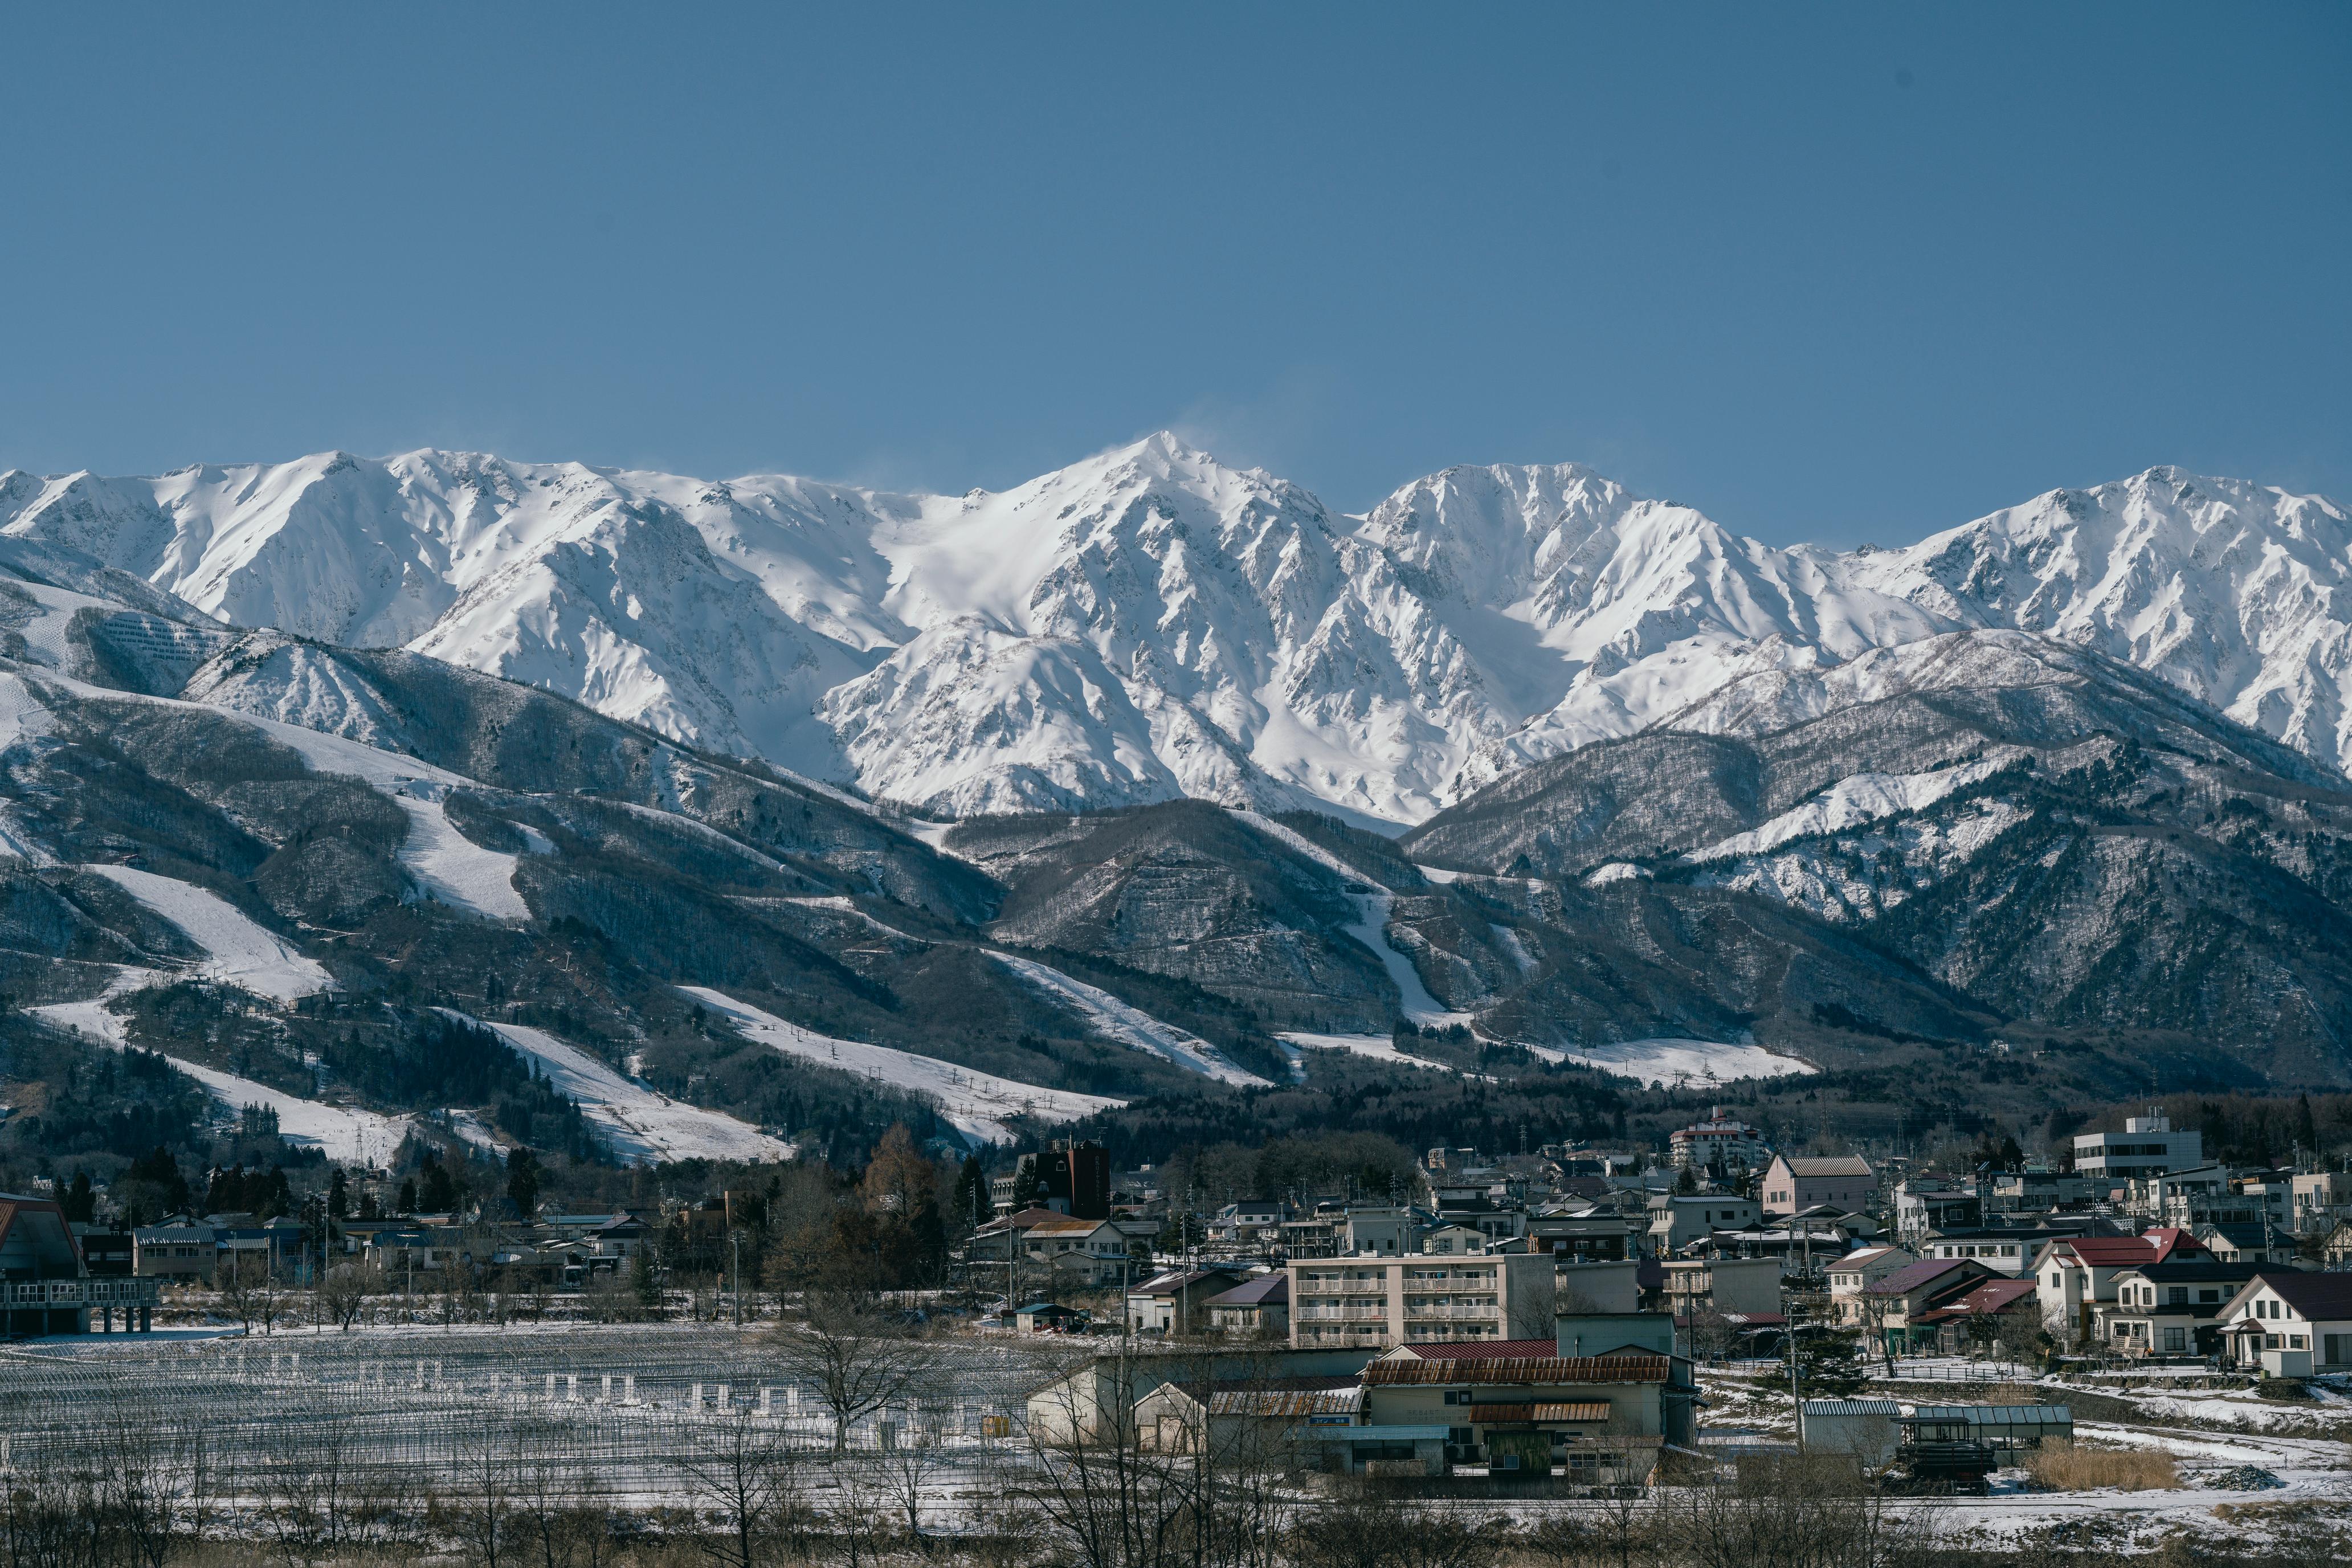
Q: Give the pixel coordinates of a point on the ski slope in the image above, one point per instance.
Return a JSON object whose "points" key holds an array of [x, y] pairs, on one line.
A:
{"points": [[1672, 1061], [977, 1104], [237, 951], [1130, 1027], [1379, 1047], [637, 1122]]}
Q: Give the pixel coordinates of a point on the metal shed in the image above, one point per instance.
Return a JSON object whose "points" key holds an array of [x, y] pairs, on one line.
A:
{"points": [[1864, 1428]]}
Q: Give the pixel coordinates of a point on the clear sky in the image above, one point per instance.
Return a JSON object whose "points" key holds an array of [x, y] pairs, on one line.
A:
{"points": [[1836, 273]]}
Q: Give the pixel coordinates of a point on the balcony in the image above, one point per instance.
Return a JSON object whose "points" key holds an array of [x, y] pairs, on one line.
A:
{"points": [[1414, 1314], [119, 1293]]}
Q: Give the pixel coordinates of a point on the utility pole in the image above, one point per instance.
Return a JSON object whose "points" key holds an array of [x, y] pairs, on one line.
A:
{"points": [[1796, 1391], [736, 1236]]}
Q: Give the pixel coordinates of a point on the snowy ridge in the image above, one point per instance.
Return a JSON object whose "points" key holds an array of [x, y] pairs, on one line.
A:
{"points": [[1130, 1027], [1675, 1062], [1856, 799], [1148, 622], [977, 1104]]}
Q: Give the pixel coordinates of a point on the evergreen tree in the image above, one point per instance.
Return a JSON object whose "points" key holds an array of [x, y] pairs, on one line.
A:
{"points": [[1025, 1184], [522, 1181], [1829, 1362], [409, 1195], [339, 1195], [643, 1280], [80, 1203]]}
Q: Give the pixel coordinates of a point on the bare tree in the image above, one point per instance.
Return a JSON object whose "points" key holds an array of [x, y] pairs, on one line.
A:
{"points": [[483, 1502], [745, 1483], [859, 1356], [344, 1291]]}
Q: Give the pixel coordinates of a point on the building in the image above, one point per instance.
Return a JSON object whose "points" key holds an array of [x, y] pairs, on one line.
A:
{"points": [[2038, 1189], [1257, 1308], [2073, 1275], [1043, 1248], [1677, 1219], [1924, 1204], [1900, 1309], [2322, 1199], [1603, 1286], [2147, 1145], [1602, 1420], [43, 1287], [1985, 1314], [1745, 1285], [1842, 1181], [1070, 1178], [1177, 1302], [1385, 1231], [2169, 1308], [1378, 1302], [2283, 1312], [177, 1252], [2003, 1251], [1856, 1271], [1862, 1429], [1584, 1238], [1719, 1145], [2247, 1241], [1249, 1224]]}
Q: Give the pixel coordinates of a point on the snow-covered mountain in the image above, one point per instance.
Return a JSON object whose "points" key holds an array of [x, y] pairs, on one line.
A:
{"points": [[1150, 623]]}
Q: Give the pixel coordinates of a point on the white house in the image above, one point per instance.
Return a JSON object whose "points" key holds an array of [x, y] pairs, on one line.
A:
{"points": [[1857, 1271], [2287, 1320]]}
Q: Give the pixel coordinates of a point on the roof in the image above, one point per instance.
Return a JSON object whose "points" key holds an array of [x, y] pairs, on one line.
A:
{"points": [[2188, 1270], [1483, 1350], [1060, 1224], [1831, 1165], [2240, 1233], [1373, 1434], [1532, 1371], [1912, 1276], [1285, 1401], [1180, 1280], [1863, 1256], [2107, 1251], [1266, 1290], [2317, 1296], [1506, 1415], [1993, 1296], [1994, 1415], [1850, 1407]]}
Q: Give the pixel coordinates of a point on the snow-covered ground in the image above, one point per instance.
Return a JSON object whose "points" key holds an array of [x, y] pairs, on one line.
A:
{"points": [[1379, 1047], [1672, 1061], [345, 1134], [637, 1121], [237, 951], [1130, 1026], [976, 1104], [1856, 799]]}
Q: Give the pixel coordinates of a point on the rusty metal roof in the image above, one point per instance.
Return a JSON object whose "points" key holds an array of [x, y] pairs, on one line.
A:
{"points": [[1534, 1371], [1287, 1402], [1523, 1414]]}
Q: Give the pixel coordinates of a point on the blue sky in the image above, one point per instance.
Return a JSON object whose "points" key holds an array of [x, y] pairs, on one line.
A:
{"points": [[1833, 273]]}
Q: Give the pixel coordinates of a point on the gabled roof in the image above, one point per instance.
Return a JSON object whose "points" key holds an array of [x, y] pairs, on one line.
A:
{"points": [[1993, 1296], [1830, 1165], [2315, 1295], [2203, 1267], [1266, 1290], [1182, 1280], [2106, 1251], [1539, 1372], [1913, 1276]]}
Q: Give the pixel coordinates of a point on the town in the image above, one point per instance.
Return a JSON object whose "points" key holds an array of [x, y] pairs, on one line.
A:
{"points": [[1546, 1336]]}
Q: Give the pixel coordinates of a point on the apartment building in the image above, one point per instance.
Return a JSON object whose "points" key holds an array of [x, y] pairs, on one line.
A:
{"points": [[1719, 1143], [1376, 1303]]}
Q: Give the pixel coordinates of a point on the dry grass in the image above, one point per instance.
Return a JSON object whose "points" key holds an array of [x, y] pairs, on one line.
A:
{"points": [[2063, 1467]]}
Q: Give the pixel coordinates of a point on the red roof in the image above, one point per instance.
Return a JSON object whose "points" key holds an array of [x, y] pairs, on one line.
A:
{"points": [[2109, 1251], [1485, 1350], [2167, 1242], [1993, 1296]]}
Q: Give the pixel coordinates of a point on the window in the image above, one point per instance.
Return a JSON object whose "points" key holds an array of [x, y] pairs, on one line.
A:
{"points": [[2176, 1341], [2176, 1294], [1458, 1396], [2295, 1342]]}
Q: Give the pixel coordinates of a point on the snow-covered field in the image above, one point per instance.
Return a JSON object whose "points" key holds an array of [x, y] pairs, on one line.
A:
{"points": [[638, 1123], [1672, 1061], [237, 951], [976, 1104], [1130, 1027]]}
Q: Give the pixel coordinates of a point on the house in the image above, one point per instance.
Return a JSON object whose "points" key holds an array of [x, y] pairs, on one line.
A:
{"points": [[1257, 1308], [1694, 1286], [1464, 1239], [1249, 1223], [1858, 1270], [2038, 1189], [2247, 1241], [2335, 1251], [2281, 1314], [1177, 1302], [1897, 1308], [1979, 1316], [1677, 1219], [1793, 1186], [1924, 1203], [1600, 1287], [2170, 1309], [1076, 1254], [2188, 1196], [2322, 1199], [1377, 1302], [1582, 1237], [2147, 1145], [2073, 1274], [2003, 1251], [1720, 1145], [1597, 1419], [179, 1252], [1046, 1317], [1389, 1232]]}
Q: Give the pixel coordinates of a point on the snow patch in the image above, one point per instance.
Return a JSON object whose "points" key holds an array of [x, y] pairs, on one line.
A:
{"points": [[1379, 1047], [1132, 1028], [1677, 1061], [637, 1122], [237, 951], [1853, 800], [976, 1104]]}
